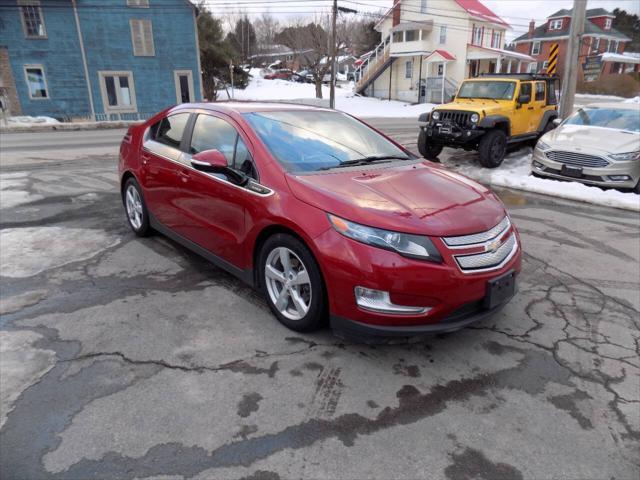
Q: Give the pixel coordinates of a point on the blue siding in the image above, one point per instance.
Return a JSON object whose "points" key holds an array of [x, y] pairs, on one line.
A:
{"points": [[108, 46]]}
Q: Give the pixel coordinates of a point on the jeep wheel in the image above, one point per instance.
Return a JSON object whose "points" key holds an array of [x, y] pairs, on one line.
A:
{"points": [[428, 151], [492, 148]]}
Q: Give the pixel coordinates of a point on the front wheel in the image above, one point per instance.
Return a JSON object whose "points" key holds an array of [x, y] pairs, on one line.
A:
{"points": [[292, 283], [493, 148], [136, 208], [428, 150]]}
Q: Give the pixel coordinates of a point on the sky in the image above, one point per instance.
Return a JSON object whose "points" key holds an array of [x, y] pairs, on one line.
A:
{"points": [[516, 12]]}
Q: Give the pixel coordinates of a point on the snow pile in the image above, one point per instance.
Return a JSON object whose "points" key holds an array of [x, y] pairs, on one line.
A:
{"points": [[515, 173], [260, 89], [26, 121], [632, 100]]}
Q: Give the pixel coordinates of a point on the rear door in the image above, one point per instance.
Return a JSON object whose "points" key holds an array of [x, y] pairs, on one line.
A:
{"points": [[161, 158], [539, 103], [212, 207], [521, 113]]}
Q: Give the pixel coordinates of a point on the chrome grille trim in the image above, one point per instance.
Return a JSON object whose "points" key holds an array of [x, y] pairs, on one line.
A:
{"points": [[482, 262], [465, 241], [577, 159]]}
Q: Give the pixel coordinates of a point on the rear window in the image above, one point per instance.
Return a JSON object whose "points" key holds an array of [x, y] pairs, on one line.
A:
{"points": [[170, 129], [617, 118]]}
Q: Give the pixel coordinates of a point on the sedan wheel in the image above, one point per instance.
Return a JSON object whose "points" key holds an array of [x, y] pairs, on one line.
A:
{"points": [[136, 208], [288, 283]]}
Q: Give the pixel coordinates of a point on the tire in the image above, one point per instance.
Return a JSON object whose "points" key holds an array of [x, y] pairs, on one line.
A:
{"points": [[304, 305], [637, 188], [492, 148], [136, 208], [428, 151]]}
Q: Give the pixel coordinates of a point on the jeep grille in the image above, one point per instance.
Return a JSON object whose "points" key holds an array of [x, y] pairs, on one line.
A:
{"points": [[454, 116]]}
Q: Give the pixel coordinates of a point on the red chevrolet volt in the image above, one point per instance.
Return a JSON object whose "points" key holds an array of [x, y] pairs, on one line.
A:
{"points": [[323, 214]]}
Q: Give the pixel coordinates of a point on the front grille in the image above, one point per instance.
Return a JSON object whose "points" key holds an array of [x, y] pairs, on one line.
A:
{"points": [[471, 240], [490, 259], [577, 159], [459, 118]]}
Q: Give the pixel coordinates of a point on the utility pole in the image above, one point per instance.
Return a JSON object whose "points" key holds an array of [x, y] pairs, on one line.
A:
{"points": [[572, 62], [332, 94]]}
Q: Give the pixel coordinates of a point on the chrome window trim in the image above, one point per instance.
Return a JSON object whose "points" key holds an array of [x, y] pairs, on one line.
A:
{"points": [[188, 165], [480, 239]]}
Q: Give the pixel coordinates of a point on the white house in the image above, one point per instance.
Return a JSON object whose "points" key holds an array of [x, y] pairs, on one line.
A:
{"points": [[430, 46]]}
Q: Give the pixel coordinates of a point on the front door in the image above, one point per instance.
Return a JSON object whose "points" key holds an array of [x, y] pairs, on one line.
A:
{"points": [[520, 118], [213, 208]]}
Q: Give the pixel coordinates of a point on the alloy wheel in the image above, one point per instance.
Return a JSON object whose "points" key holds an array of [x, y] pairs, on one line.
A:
{"points": [[288, 283], [134, 207]]}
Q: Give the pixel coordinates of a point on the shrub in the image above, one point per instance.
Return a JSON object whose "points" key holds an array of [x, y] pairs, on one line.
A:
{"points": [[626, 85]]}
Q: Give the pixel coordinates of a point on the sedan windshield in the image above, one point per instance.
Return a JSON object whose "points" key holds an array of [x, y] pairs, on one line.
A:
{"points": [[490, 89], [307, 141], [618, 118]]}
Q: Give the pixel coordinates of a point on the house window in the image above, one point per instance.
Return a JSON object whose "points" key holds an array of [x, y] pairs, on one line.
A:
{"points": [[555, 24], [118, 92], [138, 3], [423, 6], [410, 35], [142, 38], [495, 39], [613, 46], [32, 19], [408, 69], [607, 24], [443, 34], [184, 86], [477, 36], [533, 67], [398, 37], [596, 45], [36, 82], [545, 64], [535, 48], [440, 69]]}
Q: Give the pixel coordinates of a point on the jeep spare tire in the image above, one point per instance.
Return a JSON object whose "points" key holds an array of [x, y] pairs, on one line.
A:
{"points": [[428, 150], [492, 148]]}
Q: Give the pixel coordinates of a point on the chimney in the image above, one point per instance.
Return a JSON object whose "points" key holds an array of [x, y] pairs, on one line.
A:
{"points": [[532, 27]]}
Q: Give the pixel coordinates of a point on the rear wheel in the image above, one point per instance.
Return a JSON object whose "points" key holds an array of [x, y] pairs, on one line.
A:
{"points": [[428, 150], [492, 148], [292, 283]]}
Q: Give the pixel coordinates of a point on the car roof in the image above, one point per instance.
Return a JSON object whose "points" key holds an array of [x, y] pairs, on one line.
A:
{"points": [[618, 105], [250, 107]]}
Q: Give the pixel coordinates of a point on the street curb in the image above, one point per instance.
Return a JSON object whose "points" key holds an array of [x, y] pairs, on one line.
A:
{"points": [[49, 127]]}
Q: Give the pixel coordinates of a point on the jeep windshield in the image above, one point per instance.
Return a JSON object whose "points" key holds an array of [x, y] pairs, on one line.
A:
{"points": [[490, 90]]}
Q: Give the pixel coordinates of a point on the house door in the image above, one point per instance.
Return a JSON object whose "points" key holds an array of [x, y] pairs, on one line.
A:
{"points": [[184, 86]]}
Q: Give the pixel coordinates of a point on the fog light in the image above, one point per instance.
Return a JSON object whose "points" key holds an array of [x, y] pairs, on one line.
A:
{"points": [[538, 165], [619, 178], [379, 301]]}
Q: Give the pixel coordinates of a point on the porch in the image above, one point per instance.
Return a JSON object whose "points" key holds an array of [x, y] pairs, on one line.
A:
{"points": [[494, 60]]}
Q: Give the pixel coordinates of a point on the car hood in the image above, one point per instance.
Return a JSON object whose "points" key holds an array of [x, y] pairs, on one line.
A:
{"points": [[416, 198], [592, 139]]}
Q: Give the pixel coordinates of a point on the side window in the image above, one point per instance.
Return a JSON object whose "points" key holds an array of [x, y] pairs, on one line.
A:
{"points": [[212, 133], [243, 160], [169, 130], [525, 89], [539, 91]]}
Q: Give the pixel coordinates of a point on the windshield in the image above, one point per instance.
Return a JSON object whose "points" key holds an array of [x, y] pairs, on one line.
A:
{"points": [[307, 141], [618, 118], [489, 89]]}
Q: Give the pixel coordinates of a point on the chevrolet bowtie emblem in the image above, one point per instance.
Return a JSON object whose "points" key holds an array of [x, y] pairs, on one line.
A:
{"points": [[494, 246]]}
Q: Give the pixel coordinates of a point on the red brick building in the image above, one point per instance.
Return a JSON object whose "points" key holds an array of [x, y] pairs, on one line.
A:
{"points": [[602, 51]]}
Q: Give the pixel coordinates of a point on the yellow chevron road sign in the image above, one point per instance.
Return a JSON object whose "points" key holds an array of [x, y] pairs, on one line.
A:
{"points": [[552, 66]]}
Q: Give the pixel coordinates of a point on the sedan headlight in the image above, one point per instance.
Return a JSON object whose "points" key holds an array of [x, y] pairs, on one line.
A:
{"points": [[435, 115], [413, 246], [626, 156], [475, 118], [542, 146]]}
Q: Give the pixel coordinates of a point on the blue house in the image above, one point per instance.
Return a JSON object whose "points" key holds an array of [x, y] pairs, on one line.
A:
{"points": [[102, 59]]}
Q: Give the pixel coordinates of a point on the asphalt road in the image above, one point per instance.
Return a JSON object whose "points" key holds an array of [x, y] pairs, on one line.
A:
{"points": [[129, 358]]}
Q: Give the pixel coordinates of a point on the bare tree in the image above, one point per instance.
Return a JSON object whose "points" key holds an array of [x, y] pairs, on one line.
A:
{"points": [[266, 27]]}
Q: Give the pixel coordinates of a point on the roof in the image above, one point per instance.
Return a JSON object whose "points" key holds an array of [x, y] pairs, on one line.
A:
{"points": [[442, 53], [499, 51], [592, 12], [621, 58], [590, 28], [477, 10]]}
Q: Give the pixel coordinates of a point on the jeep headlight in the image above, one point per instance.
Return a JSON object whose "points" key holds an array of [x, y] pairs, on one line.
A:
{"points": [[622, 157], [435, 115], [407, 245], [475, 118]]}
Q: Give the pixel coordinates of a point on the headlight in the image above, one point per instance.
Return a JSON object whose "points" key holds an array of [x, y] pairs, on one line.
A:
{"points": [[475, 118], [542, 146], [626, 156], [435, 115], [413, 246]]}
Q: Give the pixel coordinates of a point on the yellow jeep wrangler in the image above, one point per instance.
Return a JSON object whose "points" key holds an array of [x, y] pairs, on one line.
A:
{"points": [[490, 112]]}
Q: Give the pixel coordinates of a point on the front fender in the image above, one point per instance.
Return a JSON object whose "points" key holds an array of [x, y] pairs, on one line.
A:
{"points": [[548, 116], [490, 121]]}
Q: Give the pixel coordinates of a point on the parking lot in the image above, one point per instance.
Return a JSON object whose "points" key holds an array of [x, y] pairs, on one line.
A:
{"points": [[129, 358]]}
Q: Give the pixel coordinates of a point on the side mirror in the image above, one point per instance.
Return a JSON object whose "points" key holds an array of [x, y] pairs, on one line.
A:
{"points": [[556, 121], [213, 161], [524, 98], [453, 97]]}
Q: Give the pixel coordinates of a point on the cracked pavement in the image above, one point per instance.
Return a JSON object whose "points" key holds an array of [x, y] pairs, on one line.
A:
{"points": [[129, 358]]}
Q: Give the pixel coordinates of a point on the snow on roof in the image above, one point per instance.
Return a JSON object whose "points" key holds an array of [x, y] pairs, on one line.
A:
{"points": [[339, 59], [476, 9], [622, 58]]}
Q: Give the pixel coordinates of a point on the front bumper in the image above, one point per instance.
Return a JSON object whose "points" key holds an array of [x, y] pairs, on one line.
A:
{"points": [[457, 136], [542, 165], [455, 298]]}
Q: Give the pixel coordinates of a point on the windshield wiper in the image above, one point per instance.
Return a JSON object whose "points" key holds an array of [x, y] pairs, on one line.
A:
{"points": [[365, 161]]}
